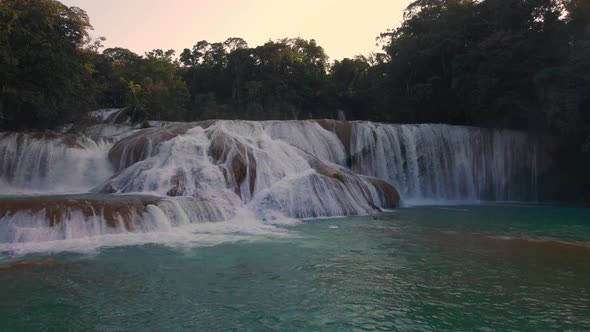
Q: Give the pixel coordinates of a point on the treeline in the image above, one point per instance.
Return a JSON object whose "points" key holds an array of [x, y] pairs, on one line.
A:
{"points": [[521, 64]]}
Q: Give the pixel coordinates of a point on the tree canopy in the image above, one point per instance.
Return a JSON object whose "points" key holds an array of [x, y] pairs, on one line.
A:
{"points": [[44, 71], [520, 64]]}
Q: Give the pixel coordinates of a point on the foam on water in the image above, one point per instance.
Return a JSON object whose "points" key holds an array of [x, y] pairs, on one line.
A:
{"points": [[244, 226]]}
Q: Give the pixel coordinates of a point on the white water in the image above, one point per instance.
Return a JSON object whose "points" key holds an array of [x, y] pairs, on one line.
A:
{"points": [[242, 227], [447, 162], [283, 179], [52, 164], [238, 171], [310, 137], [106, 115]]}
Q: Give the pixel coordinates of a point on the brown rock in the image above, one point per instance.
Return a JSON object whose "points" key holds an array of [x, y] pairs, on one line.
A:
{"points": [[326, 169], [389, 195], [27, 263], [342, 129], [240, 158], [134, 148], [59, 209]]}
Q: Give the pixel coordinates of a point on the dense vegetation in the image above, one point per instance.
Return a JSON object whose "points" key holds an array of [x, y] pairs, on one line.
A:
{"points": [[520, 64], [44, 71]]}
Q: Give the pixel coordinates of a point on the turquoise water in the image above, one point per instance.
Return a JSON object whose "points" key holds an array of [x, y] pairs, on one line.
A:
{"points": [[469, 268]]}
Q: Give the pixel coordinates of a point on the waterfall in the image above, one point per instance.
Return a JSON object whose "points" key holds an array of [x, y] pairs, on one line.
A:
{"points": [[130, 180], [436, 161], [107, 115], [52, 163], [241, 163]]}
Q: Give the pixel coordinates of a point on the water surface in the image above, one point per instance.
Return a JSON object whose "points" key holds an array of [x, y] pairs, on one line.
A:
{"points": [[471, 268]]}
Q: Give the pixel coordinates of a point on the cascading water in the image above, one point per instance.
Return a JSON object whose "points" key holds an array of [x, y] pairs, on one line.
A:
{"points": [[435, 161], [309, 136], [238, 163], [186, 173], [52, 163]]}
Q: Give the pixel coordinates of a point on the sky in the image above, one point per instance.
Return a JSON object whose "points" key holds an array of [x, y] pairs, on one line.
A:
{"points": [[344, 28]]}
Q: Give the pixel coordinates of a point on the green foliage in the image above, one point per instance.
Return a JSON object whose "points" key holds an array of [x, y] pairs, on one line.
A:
{"points": [[151, 86], [44, 72], [493, 63], [522, 64], [497, 63], [278, 80]]}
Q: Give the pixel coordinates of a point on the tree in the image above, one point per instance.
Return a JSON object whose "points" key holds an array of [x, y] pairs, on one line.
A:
{"points": [[350, 78], [43, 71], [151, 86], [521, 64]]}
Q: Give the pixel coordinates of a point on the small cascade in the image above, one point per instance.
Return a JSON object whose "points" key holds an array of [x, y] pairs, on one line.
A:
{"points": [[67, 217], [239, 163], [447, 162], [47, 218], [52, 163], [309, 136], [108, 115], [176, 167], [110, 132]]}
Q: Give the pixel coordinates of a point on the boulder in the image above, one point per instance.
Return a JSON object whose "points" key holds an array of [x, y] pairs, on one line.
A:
{"points": [[138, 146], [237, 161], [342, 129], [389, 195]]}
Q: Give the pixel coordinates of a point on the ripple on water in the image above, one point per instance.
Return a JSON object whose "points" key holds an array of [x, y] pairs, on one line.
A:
{"points": [[418, 269]]}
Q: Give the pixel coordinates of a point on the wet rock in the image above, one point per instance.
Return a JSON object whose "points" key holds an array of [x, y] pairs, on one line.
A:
{"points": [[238, 161], [176, 189], [27, 263], [66, 140], [140, 145], [113, 211], [342, 129], [390, 197], [325, 169]]}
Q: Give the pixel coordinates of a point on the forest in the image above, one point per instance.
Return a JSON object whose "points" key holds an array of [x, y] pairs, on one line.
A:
{"points": [[516, 64]]}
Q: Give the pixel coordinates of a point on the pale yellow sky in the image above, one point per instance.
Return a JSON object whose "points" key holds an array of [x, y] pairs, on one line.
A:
{"points": [[343, 27]]}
